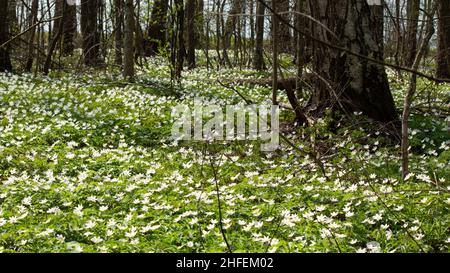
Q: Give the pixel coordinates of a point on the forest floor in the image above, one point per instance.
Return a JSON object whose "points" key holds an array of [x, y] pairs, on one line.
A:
{"points": [[87, 165]]}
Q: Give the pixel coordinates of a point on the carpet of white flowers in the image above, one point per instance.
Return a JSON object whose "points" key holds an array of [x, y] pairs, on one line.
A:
{"points": [[87, 165]]}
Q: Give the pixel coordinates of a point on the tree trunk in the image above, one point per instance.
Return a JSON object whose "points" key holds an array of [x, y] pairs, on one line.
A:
{"points": [[118, 31], [192, 36], [443, 58], [201, 31], [128, 43], [180, 38], [70, 29], [410, 42], [30, 55], [354, 83], [258, 56], [283, 32], [377, 12], [157, 28], [69, 25], [5, 61], [138, 34], [59, 29], [90, 32], [398, 37], [251, 45], [275, 37], [300, 54], [12, 18], [218, 30], [13, 27], [412, 90], [230, 25]]}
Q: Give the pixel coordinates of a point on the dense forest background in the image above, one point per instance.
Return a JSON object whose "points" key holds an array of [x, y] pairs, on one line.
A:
{"points": [[86, 92]]}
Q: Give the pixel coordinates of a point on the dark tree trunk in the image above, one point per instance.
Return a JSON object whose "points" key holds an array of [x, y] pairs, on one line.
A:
{"points": [[443, 58], [118, 31], [12, 18], [230, 26], [90, 32], [58, 12], [200, 23], [70, 29], [5, 61], [138, 34], [101, 14], [69, 26], [410, 42], [33, 20], [275, 43], [59, 29], [192, 32], [181, 50], [258, 56], [377, 12], [398, 35], [301, 57], [283, 32], [251, 44], [128, 47], [343, 80], [13, 26], [156, 33]]}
